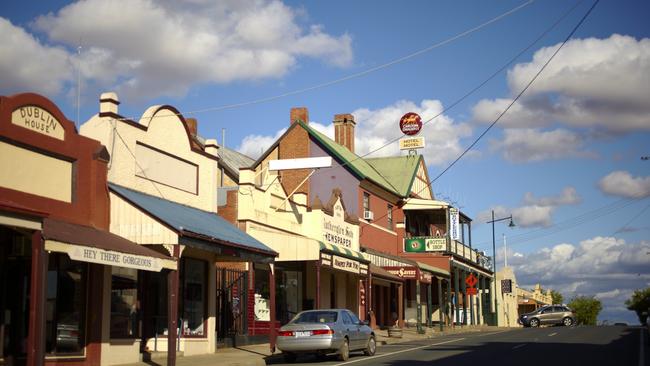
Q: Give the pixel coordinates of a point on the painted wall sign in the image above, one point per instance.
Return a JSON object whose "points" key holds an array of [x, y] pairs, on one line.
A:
{"points": [[338, 232], [410, 143], [38, 120], [410, 124], [110, 258], [454, 224], [403, 272], [418, 245]]}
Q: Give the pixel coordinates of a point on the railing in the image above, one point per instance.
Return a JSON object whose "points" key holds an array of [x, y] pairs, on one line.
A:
{"points": [[430, 244]]}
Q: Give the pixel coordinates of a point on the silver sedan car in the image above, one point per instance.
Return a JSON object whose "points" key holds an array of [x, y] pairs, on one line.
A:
{"points": [[326, 331]]}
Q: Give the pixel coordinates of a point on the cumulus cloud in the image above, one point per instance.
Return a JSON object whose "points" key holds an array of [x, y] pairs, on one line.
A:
{"points": [[527, 145], [534, 211], [605, 267], [164, 48], [623, 184], [592, 83], [375, 128], [255, 145]]}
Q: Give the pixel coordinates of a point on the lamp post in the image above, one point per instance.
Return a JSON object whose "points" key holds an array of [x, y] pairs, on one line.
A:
{"points": [[494, 262]]}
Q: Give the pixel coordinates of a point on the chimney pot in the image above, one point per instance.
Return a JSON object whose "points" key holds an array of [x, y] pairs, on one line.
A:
{"points": [[299, 114]]}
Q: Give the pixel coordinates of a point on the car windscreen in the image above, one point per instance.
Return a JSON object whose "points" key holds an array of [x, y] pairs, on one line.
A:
{"points": [[316, 317]]}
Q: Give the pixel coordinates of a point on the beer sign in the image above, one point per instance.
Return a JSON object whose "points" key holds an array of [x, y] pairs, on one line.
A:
{"points": [[410, 124]]}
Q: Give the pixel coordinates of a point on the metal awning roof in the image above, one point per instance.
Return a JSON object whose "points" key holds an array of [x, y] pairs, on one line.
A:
{"points": [[435, 270], [346, 252], [195, 227], [422, 204]]}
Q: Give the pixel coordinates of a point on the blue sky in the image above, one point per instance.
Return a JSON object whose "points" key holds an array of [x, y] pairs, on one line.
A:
{"points": [[565, 161]]}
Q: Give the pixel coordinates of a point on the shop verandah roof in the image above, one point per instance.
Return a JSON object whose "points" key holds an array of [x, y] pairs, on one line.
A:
{"points": [[202, 229]]}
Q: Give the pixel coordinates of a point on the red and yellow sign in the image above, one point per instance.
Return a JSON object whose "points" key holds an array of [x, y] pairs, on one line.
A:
{"points": [[410, 124]]}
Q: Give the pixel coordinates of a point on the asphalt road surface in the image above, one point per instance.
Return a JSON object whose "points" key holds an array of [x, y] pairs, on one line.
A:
{"points": [[552, 346]]}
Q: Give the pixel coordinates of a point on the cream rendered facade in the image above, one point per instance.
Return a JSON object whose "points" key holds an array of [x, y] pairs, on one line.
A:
{"points": [[147, 156], [507, 303]]}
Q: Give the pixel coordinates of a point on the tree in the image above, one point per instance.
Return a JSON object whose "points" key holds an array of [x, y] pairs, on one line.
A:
{"points": [[640, 304], [586, 308], [557, 297]]}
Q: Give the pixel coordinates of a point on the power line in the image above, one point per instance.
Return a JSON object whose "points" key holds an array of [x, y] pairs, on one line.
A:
{"points": [[575, 28], [361, 73]]}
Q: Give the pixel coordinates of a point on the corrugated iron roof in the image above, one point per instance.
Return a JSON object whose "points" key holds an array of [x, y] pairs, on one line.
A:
{"points": [[234, 159], [185, 219], [400, 171]]}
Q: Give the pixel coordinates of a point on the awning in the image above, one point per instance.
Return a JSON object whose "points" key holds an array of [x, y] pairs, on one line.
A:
{"points": [[87, 244], [384, 274], [461, 265], [345, 252], [438, 272], [197, 228], [422, 204]]}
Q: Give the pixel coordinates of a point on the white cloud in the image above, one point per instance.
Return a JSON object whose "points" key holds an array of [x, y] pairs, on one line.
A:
{"points": [[622, 183], [164, 48], [22, 63], [375, 128], [255, 145], [605, 267], [591, 83], [526, 145], [534, 211]]}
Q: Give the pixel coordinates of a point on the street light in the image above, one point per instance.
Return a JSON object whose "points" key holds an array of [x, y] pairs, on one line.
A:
{"points": [[494, 262]]}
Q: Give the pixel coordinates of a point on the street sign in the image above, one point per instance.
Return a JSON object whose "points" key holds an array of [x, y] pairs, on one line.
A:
{"points": [[410, 124], [471, 291], [471, 280]]}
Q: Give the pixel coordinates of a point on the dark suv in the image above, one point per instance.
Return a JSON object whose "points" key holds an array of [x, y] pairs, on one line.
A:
{"points": [[550, 314]]}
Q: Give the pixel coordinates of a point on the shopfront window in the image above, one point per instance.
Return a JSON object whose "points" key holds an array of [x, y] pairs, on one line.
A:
{"points": [[289, 293], [262, 308], [64, 309], [194, 289], [124, 303]]}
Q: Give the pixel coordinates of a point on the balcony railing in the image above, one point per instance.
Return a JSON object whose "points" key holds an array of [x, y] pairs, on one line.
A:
{"points": [[430, 244]]}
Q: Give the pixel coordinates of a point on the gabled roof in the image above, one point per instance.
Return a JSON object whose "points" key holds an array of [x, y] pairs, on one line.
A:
{"points": [[400, 171], [354, 162], [189, 220], [233, 160]]}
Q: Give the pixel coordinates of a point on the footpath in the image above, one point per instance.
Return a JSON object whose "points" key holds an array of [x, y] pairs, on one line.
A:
{"points": [[259, 354]]}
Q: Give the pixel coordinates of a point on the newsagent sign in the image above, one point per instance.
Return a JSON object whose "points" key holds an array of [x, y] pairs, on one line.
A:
{"points": [[337, 231], [418, 245]]}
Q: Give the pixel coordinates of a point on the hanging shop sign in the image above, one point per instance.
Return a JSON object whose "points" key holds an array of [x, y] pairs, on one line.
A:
{"points": [[410, 124], [425, 277], [403, 272], [418, 245], [38, 120], [454, 224], [410, 143]]}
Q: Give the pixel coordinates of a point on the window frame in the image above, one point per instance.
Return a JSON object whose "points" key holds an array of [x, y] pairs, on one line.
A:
{"points": [[181, 297], [366, 201], [137, 330], [389, 217]]}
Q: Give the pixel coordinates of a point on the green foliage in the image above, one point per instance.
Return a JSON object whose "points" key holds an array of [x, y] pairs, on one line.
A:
{"points": [[586, 308], [640, 304], [557, 297]]}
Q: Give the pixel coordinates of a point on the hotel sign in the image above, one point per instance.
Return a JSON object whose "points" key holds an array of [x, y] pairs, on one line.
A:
{"points": [[411, 143], [38, 120], [454, 226]]}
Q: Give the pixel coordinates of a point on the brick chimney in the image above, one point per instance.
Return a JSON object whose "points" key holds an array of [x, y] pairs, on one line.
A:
{"points": [[299, 113], [344, 130], [191, 125]]}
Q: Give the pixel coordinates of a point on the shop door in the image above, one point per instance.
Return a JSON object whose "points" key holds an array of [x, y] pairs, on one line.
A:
{"points": [[15, 268], [232, 300]]}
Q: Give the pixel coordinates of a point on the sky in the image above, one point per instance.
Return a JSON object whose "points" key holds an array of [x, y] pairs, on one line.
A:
{"points": [[565, 160]]}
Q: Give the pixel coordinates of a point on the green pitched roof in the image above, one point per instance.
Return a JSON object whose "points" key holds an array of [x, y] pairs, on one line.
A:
{"points": [[357, 164], [400, 171]]}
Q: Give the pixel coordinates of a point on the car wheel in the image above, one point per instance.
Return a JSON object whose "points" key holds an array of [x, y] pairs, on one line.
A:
{"points": [[372, 346], [344, 351], [567, 322], [289, 357], [534, 323]]}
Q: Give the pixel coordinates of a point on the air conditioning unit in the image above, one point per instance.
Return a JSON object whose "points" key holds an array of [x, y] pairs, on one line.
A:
{"points": [[368, 215]]}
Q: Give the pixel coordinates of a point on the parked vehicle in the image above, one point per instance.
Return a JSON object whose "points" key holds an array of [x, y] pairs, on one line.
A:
{"points": [[325, 331], [549, 315]]}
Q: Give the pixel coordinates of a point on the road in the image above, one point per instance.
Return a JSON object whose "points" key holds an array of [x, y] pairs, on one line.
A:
{"points": [[553, 346]]}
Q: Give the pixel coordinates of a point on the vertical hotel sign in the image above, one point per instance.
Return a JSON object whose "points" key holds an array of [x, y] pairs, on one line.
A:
{"points": [[38, 120], [454, 224]]}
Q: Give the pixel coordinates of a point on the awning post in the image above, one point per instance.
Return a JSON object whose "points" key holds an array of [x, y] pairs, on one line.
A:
{"points": [[272, 305], [172, 311], [38, 283]]}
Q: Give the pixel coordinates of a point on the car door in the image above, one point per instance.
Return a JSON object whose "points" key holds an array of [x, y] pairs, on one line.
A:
{"points": [[350, 329], [546, 315], [558, 311], [359, 335]]}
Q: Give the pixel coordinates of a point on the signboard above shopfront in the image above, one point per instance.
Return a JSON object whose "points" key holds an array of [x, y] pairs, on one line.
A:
{"points": [[343, 264], [38, 120], [403, 272], [425, 244]]}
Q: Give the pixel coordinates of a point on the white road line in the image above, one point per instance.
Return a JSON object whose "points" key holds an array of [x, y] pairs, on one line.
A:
{"points": [[493, 333], [642, 348], [552, 334], [519, 346], [397, 352]]}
